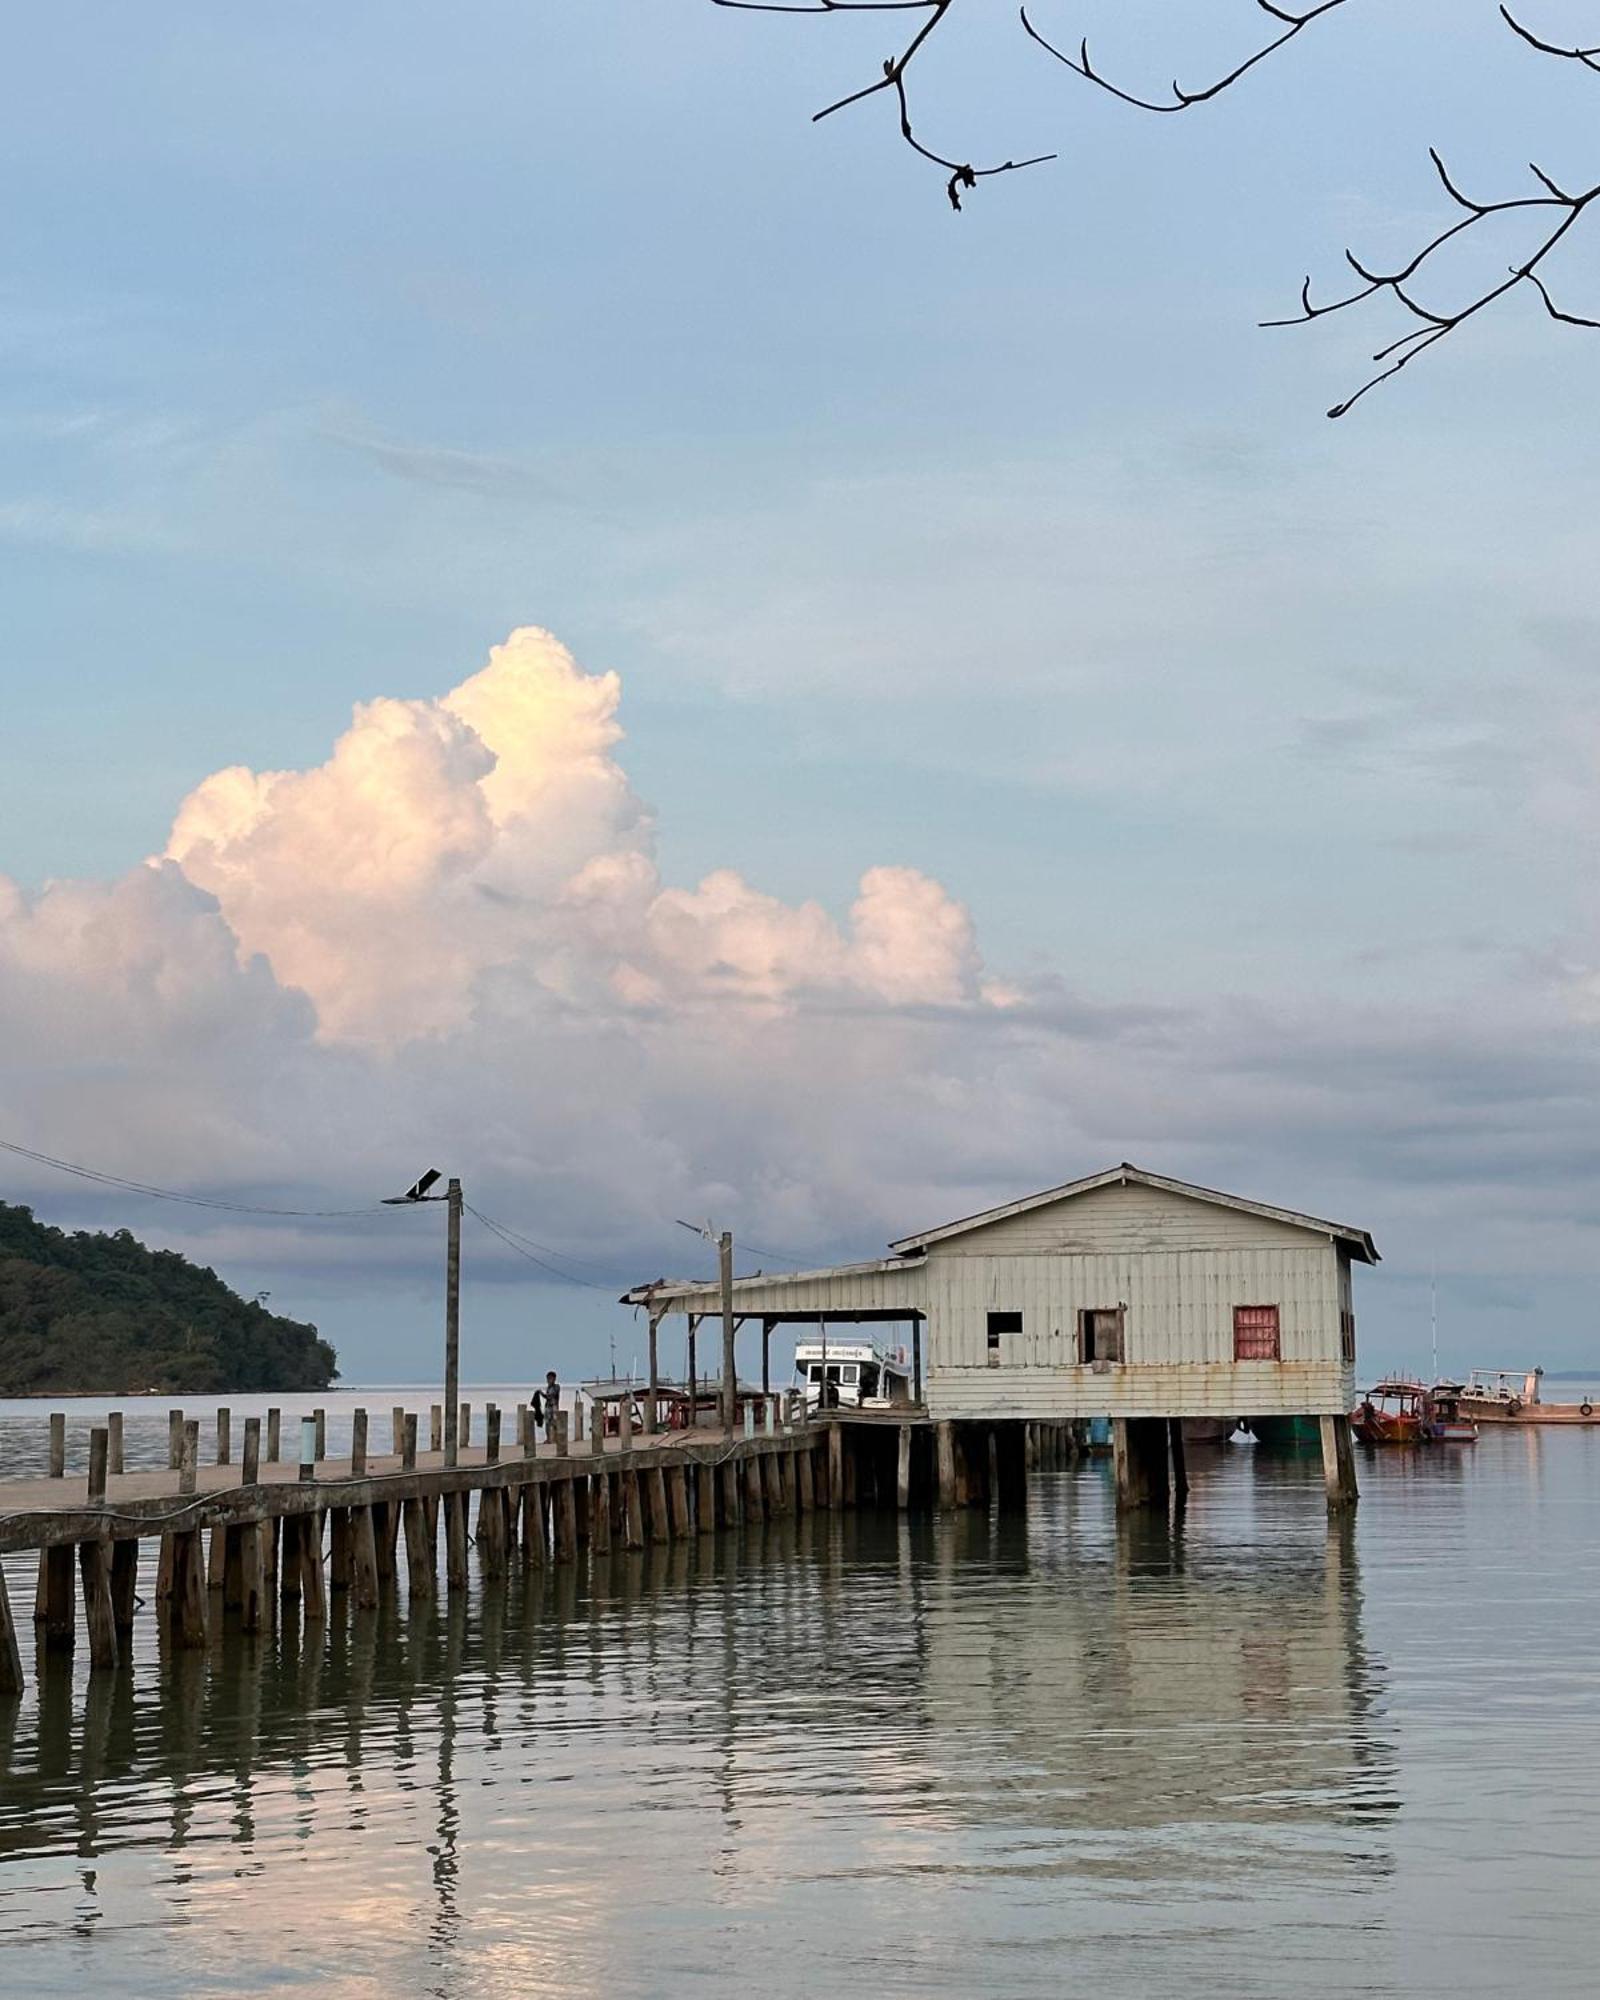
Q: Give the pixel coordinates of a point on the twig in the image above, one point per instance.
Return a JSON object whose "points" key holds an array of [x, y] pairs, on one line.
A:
{"points": [[1183, 100], [962, 173]]}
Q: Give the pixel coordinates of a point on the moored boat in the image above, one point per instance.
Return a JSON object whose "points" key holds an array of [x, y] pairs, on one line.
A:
{"points": [[1392, 1411], [1511, 1396], [1446, 1423], [1286, 1433]]}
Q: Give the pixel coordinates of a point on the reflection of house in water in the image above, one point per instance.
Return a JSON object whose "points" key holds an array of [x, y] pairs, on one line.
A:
{"points": [[1169, 1704]]}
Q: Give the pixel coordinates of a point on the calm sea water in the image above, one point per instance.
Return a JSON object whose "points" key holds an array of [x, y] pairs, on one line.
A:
{"points": [[971, 1756]]}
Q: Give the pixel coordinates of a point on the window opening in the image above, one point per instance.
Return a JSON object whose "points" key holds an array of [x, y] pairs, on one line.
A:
{"points": [[1255, 1333], [1100, 1333], [1001, 1325]]}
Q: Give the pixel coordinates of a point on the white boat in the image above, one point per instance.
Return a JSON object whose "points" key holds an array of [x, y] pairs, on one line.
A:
{"points": [[858, 1374]]}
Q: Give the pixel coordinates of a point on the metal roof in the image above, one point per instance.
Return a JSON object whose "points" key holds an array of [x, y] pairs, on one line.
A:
{"points": [[1126, 1174]]}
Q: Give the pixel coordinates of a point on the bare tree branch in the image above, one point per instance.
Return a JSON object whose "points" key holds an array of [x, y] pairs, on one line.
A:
{"points": [[1183, 99], [1562, 208], [1434, 326], [963, 174]]}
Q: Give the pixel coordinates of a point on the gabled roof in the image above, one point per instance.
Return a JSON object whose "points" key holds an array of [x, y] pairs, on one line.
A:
{"points": [[1360, 1243]]}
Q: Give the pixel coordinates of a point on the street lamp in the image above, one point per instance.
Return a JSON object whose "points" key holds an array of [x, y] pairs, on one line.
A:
{"points": [[418, 1192]]}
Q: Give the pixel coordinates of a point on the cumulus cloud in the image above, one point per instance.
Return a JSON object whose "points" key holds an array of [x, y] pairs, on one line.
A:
{"points": [[451, 941]]}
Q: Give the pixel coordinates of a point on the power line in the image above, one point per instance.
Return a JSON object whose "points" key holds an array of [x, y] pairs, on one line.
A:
{"points": [[508, 1238], [94, 1174]]}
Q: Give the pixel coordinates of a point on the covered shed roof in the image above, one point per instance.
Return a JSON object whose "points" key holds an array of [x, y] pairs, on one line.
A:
{"points": [[1361, 1244]]}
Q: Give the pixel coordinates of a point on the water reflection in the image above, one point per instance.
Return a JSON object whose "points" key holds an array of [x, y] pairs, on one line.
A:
{"points": [[965, 1755]]}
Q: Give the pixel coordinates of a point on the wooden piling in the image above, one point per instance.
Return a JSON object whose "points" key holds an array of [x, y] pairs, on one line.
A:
{"points": [[705, 1499], [902, 1469], [678, 1500], [274, 1435], [599, 1514], [492, 1531], [10, 1651], [364, 1586], [419, 1546], [124, 1583], [1338, 1462], [456, 1571], [340, 1554], [566, 1521], [491, 1434], [1139, 1450], [58, 1444], [632, 1525], [772, 1483], [188, 1605], [732, 1504], [224, 1434], [217, 1557], [289, 1558], [189, 1455], [252, 1578], [99, 1454], [250, 1471], [397, 1429], [358, 1445], [59, 1598], [174, 1439], [805, 1484], [436, 1427], [114, 1444], [408, 1444], [94, 1563], [314, 1584], [655, 1486], [534, 1544]]}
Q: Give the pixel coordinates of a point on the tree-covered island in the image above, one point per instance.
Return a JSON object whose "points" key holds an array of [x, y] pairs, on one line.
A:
{"points": [[89, 1313]]}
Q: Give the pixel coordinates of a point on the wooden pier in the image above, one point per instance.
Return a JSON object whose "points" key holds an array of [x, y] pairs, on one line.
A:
{"points": [[238, 1531]]}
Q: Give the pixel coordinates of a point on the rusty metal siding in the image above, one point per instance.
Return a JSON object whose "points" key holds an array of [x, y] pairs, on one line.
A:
{"points": [[1246, 1388], [1127, 1217]]}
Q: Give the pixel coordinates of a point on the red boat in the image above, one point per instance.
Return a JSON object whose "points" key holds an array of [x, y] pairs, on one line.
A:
{"points": [[1391, 1412]]}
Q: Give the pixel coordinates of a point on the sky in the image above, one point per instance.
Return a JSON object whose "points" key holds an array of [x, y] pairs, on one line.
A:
{"points": [[563, 622]]}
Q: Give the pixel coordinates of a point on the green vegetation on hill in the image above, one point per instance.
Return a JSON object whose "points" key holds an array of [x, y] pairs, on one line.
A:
{"points": [[88, 1313]]}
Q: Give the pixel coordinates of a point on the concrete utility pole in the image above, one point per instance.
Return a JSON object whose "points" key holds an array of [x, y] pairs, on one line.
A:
{"points": [[729, 1378], [452, 1319]]}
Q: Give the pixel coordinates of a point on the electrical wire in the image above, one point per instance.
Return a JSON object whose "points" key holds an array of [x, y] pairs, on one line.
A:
{"points": [[94, 1174], [508, 1238]]}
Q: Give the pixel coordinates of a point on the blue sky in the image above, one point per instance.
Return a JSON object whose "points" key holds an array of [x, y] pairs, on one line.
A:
{"points": [[998, 546]]}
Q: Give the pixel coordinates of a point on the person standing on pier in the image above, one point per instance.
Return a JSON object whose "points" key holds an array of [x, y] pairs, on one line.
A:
{"points": [[552, 1402]]}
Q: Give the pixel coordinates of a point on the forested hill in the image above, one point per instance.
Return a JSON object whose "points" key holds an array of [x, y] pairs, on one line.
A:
{"points": [[94, 1314]]}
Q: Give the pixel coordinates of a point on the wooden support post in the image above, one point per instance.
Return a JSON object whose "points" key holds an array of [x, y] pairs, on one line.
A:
{"points": [[58, 1444], [836, 1493], [397, 1429], [94, 1562], [224, 1434], [1139, 1449], [1179, 1460], [99, 1451], [419, 1545], [766, 1357], [902, 1469], [386, 1527], [652, 1396], [320, 1449], [632, 1525], [678, 1501], [805, 1489], [916, 1359], [492, 1531], [599, 1514], [363, 1559], [271, 1530], [188, 1607], [289, 1561], [340, 1562], [436, 1427], [1338, 1462], [563, 1430], [313, 1577], [174, 1439], [57, 1598], [535, 1545], [732, 1503], [114, 1444], [566, 1521], [252, 1577], [408, 1444], [1011, 1466], [523, 1446], [660, 1522], [189, 1456], [358, 1445], [945, 1446], [251, 1469], [10, 1651], [233, 1541], [705, 1499], [491, 1434], [456, 1572], [464, 1427], [625, 1423], [577, 1419], [772, 1483], [124, 1583], [166, 1569], [274, 1435], [217, 1558]]}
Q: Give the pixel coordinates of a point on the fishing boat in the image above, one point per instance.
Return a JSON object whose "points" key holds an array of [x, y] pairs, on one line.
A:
{"points": [[1511, 1396], [1446, 1423], [852, 1374], [1393, 1411]]}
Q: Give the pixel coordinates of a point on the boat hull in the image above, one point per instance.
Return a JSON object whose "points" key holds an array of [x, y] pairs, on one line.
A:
{"points": [[1287, 1433], [1530, 1413]]}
